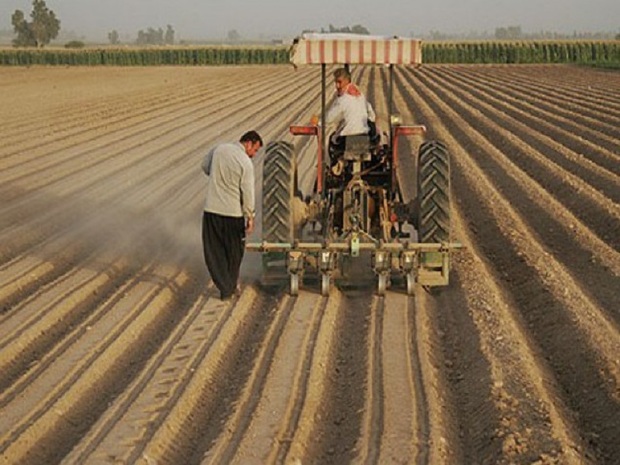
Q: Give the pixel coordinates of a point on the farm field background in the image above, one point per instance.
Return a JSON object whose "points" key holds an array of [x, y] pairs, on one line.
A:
{"points": [[592, 52], [114, 347]]}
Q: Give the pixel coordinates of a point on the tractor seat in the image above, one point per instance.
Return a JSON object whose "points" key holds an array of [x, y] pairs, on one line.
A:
{"points": [[357, 147]]}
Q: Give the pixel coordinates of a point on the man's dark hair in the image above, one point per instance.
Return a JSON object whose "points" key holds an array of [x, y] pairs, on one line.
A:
{"points": [[342, 73], [251, 136]]}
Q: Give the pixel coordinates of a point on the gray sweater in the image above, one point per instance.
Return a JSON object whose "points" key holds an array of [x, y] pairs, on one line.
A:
{"points": [[230, 181]]}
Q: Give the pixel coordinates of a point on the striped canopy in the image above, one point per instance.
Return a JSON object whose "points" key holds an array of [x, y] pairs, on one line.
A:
{"points": [[355, 49]]}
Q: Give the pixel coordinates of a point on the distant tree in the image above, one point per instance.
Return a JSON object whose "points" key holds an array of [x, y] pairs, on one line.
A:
{"points": [[618, 36], [25, 37], [113, 37], [169, 37], [44, 26], [508, 33], [357, 29], [233, 36], [151, 36], [74, 44]]}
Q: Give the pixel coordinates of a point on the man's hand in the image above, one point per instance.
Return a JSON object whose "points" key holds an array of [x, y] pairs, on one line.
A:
{"points": [[249, 225], [314, 121]]}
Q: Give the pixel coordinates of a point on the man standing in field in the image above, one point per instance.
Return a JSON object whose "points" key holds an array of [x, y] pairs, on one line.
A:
{"points": [[229, 209]]}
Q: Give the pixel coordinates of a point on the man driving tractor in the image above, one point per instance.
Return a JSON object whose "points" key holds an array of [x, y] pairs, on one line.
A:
{"points": [[351, 112]]}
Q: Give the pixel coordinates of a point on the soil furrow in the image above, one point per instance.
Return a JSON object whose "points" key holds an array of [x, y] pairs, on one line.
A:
{"points": [[558, 238], [405, 435], [266, 436], [114, 351], [500, 388], [123, 99], [540, 161], [63, 124], [598, 219], [596, 161], [45, 436], [589, 125], [586, 337], [568, 329], [125, 428], [309, 422], [119, 112], [189, 115], [181, 136], [31, 361], [564, 236], [155, 176], [238, 426], [199, 415], [33, 309], [341, 411], [114, 90], [369, 442], [562, 82]]}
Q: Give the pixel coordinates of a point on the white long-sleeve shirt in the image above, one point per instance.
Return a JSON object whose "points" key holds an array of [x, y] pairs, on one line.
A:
{"points": [[230, 181], [352, 113]]}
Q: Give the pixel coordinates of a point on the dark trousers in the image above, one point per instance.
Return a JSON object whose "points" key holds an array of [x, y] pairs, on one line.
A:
{"points": [[223, 243]]}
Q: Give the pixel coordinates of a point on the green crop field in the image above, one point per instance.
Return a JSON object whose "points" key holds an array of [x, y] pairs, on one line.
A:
{"points": [[605, 53]]}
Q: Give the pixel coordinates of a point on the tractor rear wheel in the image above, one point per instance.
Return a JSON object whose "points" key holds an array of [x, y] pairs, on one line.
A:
{"points": [[433, 193], [279, 189]]}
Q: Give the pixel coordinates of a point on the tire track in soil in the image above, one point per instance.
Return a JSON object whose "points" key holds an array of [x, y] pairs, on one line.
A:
{"points": [[267, 413], [557, 313], [396, 416], [126, 427], [338, 418], [198, 416]]}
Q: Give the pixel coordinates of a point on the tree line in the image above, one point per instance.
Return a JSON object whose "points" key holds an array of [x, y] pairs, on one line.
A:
{"points": [[44, 26], [150, 36]]}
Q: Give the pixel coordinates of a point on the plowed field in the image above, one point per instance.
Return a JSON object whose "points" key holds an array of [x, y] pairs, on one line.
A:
{"points": [[114, 345]]}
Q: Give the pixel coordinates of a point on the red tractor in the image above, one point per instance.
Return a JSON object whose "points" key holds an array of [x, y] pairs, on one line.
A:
{"points": [[357, 207]]}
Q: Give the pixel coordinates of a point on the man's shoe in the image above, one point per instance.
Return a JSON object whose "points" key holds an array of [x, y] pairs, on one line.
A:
{"points": [[226, 297]]}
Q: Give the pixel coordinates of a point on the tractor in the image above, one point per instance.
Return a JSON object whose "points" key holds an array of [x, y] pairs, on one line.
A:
{"points": [[356, 208]]}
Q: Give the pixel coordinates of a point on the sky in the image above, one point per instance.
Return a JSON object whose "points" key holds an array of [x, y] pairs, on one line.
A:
{"points": [[212, 19]]}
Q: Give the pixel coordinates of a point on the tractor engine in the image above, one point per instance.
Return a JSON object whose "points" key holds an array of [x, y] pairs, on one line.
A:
{"points": [[357, 186]]}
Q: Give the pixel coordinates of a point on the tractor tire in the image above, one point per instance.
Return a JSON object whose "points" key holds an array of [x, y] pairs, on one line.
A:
{"points": [[433, 200], [279, 190]]}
